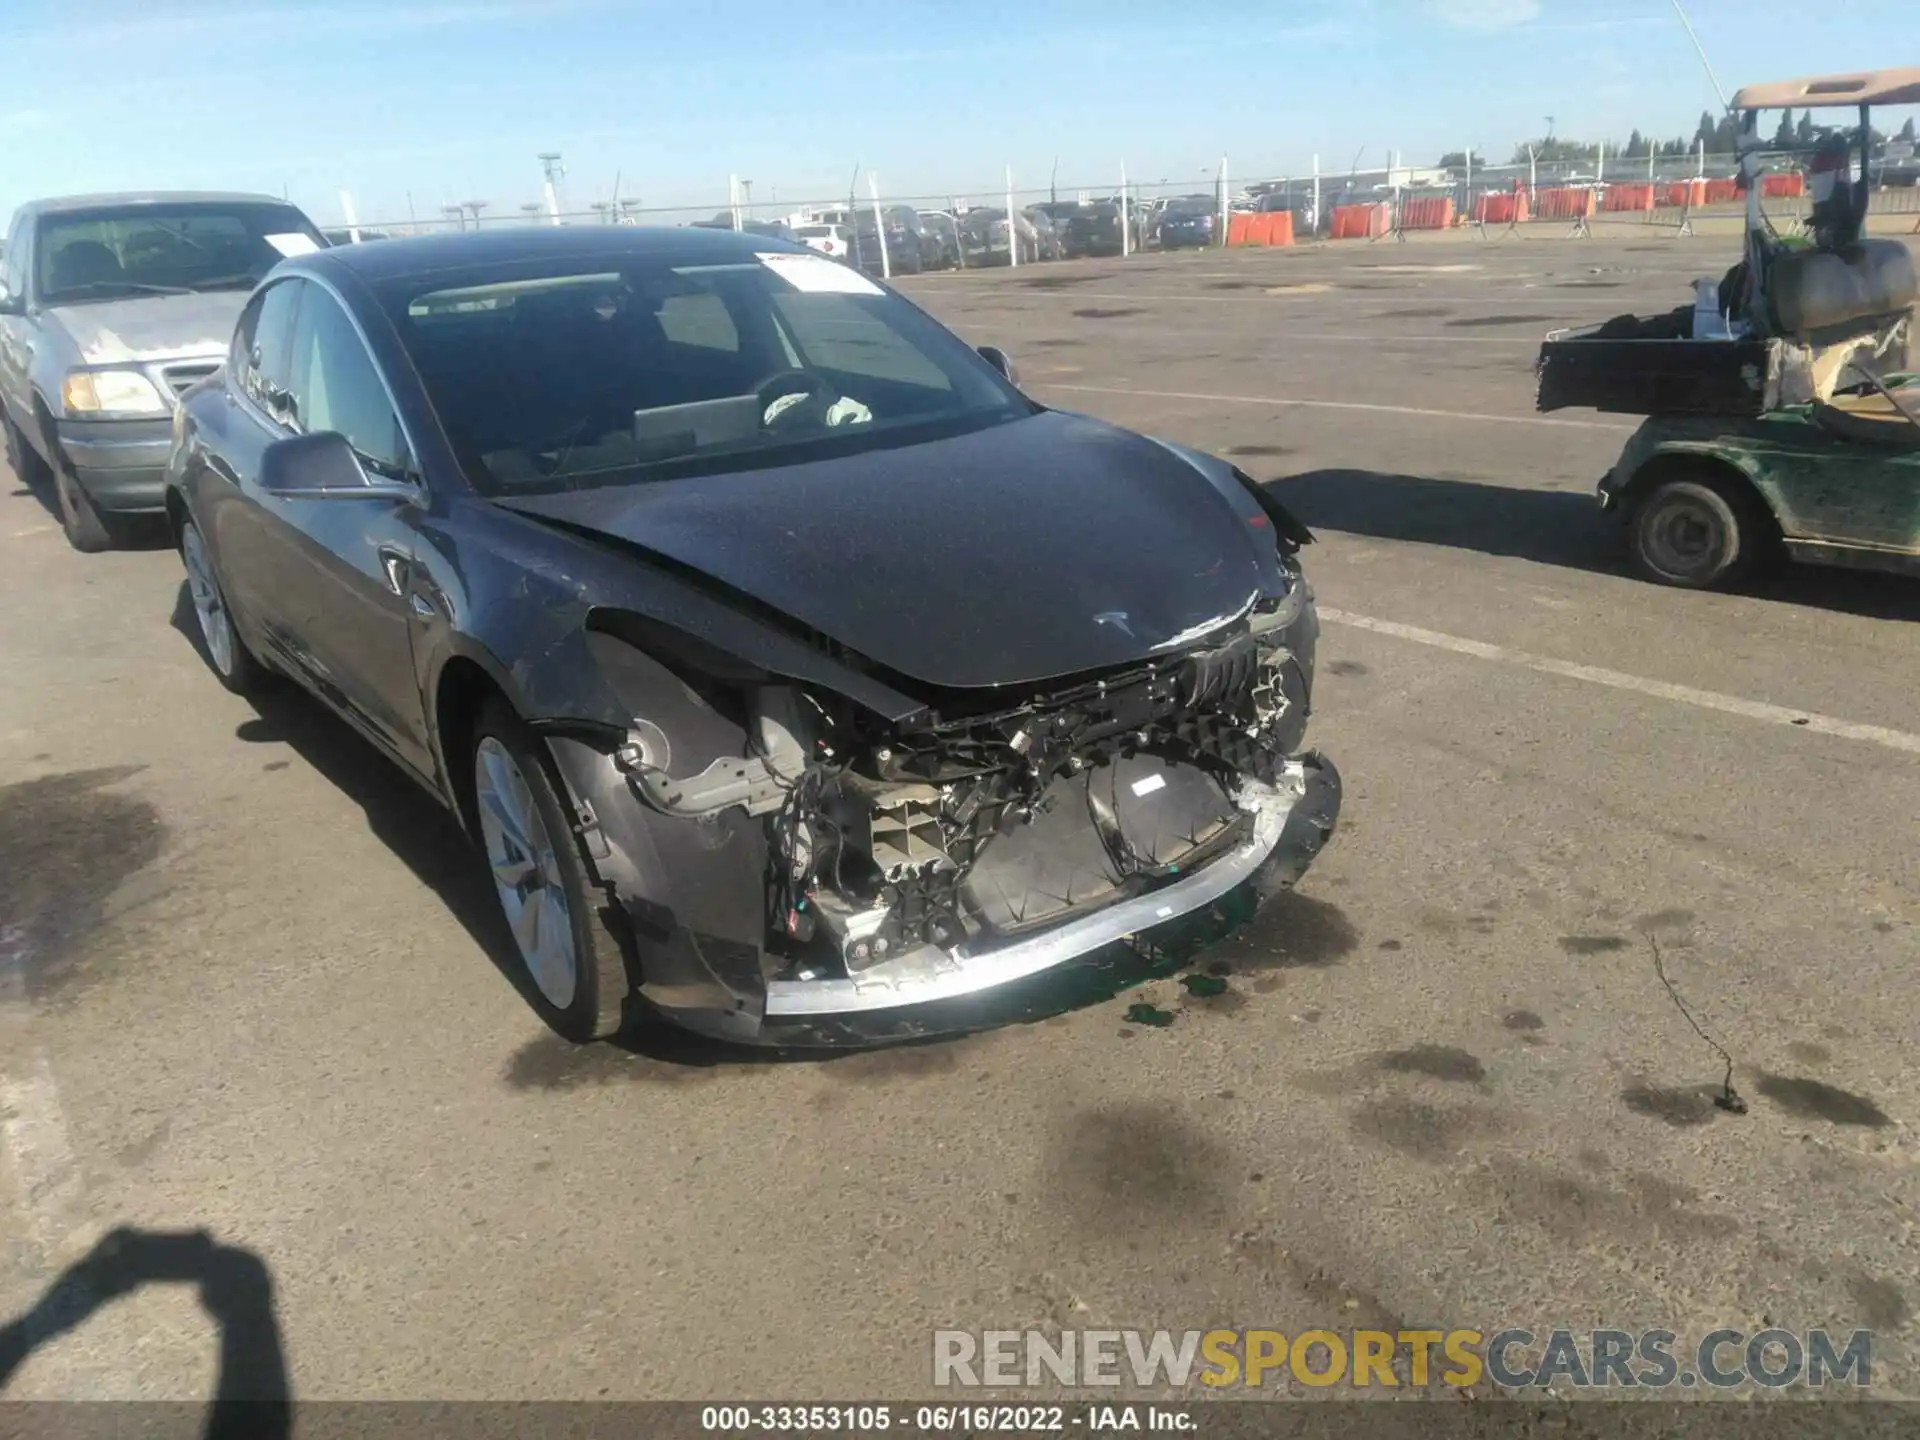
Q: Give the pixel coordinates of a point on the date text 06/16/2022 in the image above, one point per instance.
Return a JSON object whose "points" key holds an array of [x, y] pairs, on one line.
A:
{"points": [[946, 1419]]}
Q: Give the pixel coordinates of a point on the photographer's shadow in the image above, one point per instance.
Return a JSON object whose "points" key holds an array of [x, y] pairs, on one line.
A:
{"points": [[251, 1396]]}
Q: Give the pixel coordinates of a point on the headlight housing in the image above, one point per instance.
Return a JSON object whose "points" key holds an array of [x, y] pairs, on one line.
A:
{"points": [[111, 395]]}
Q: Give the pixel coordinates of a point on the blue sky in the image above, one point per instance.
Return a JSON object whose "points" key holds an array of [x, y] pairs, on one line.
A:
{"points": [[442, 100]]}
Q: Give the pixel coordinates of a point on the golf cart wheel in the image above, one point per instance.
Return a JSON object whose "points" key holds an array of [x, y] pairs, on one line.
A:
{"points": [[1694, 531]]}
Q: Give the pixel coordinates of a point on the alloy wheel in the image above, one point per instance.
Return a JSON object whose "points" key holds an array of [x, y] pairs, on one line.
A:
{"points": [[209, 604], [526, 872]]}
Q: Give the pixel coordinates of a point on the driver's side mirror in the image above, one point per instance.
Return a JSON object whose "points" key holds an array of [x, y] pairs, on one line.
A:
{"points": [[997, 358], [323, 467]]}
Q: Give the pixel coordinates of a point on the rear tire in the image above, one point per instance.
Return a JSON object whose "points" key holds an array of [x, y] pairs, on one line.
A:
{"points": [[574, 966], [1695, 532]]}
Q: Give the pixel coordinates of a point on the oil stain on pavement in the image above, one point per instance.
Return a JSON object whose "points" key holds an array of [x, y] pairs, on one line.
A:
{"points": [[67, 842]]}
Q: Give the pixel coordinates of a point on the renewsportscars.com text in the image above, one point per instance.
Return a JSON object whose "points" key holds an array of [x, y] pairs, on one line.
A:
{"points": [[1512, 1358]]}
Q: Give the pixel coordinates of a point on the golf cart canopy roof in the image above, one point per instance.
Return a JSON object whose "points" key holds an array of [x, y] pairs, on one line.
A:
{"points": [[1869, 87]]}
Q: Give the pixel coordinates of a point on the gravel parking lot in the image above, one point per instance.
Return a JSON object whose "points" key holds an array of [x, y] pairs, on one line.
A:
{"points": [[245, 985]]}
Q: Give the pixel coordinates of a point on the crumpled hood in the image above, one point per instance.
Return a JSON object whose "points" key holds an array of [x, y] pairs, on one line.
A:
{"points": [[152, 327], [1023, 552]]}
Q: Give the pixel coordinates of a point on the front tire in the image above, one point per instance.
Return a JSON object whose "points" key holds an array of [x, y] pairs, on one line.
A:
{"points": [[227, 654], [25, 461], [1694, 533], [574, 965], [86, 529]]}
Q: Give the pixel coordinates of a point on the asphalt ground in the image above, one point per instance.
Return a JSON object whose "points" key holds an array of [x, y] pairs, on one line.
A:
{"points": [[249, 986]]}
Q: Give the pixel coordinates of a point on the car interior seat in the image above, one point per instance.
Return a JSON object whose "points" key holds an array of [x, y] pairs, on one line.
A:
{"points": [[83, 262]]}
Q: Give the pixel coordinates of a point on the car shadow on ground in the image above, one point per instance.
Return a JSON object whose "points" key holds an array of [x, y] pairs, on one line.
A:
{"points": [[252, 1397], [148, 532], [1549, 527], [426, 838]]}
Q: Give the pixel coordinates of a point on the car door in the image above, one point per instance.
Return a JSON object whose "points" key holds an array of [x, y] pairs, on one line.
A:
{"points": [[226, 496], [16, 343], [345, 564]]}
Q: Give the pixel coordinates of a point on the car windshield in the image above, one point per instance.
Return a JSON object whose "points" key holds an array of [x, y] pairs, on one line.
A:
{"points": [[635, 369], [128, 250]]}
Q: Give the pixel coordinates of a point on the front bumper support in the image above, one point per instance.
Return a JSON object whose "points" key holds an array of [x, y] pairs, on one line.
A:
{"points": [[1292, 821]]}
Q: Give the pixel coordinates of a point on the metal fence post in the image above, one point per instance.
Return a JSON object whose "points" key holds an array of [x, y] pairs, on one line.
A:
{"points": [[1013, 227], [879, 225], [1126, 216]]}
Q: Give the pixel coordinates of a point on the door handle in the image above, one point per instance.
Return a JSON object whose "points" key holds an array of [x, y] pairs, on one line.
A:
{"points": [[422, 606], [394, 564]]}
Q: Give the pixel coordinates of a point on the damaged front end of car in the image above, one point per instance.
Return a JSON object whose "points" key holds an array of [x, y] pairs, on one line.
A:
{"points": [[800, 866]]}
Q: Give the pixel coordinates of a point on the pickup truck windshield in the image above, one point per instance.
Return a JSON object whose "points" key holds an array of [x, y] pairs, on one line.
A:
{"points": [[111, 254]]}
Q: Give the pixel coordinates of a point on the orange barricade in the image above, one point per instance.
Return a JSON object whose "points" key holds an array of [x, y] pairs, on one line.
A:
{"points": [[1629, 197], [1427, 212], [1359, 222], [1272, 228], [1722, 192], [1783, 187], [1502, 209], [1569, 204], [1686, 193]]}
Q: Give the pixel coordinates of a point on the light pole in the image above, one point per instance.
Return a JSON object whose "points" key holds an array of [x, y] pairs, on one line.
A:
{"points": [[456, 214], [530, 209], [476, 206], [553, 170], [627, 207]]}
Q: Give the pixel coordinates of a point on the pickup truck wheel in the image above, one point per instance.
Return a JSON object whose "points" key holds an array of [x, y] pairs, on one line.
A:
{"points": [[574, 964], [25, 462], [87, 531], [1695, 533]]}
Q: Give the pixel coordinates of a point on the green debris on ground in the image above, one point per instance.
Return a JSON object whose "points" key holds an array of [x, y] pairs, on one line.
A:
{"points": [[1203, 986], [1141, 1013]]}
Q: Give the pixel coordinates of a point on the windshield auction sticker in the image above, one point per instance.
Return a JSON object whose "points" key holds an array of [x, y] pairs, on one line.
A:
{"points": [[293, 243], [818, 275]]}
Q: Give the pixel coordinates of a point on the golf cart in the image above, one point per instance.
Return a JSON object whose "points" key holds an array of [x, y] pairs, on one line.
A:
{"points": [[1780, 413]]}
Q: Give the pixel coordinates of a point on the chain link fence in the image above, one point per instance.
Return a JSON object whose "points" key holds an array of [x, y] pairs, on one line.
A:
{"points": [[1662, 193]]}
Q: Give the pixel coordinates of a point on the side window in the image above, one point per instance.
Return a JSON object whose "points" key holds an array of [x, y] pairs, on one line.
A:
{"points": [[699, 320], [15, 262], [336, 386], [263, 352]]}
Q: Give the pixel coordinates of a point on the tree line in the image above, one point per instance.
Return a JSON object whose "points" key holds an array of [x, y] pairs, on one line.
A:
{"points": [[1720, 134]]}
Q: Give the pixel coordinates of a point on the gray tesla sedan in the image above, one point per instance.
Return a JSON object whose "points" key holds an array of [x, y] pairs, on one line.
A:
{"points": [[795, 672]]}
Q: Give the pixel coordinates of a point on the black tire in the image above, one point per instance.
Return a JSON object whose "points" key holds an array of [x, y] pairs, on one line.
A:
{"points": [[600, 969], [232, 663], [26, 463], [88, 531], [1694, 531]]}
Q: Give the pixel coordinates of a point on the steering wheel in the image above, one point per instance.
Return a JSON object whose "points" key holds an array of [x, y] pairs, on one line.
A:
{"points": [[807, 399]]}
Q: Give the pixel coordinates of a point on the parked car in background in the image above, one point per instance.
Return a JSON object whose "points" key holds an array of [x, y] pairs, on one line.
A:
{"points": [[344, 236], [110, 307], [1046, 240], [1092, 228], [834, 240], [1187, 222], [984, 237], [520, 508], [941, 233], [900, 227]]}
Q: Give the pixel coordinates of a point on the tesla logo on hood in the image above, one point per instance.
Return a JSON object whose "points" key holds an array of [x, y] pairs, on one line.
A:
{"points": [[1116, 618]]}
